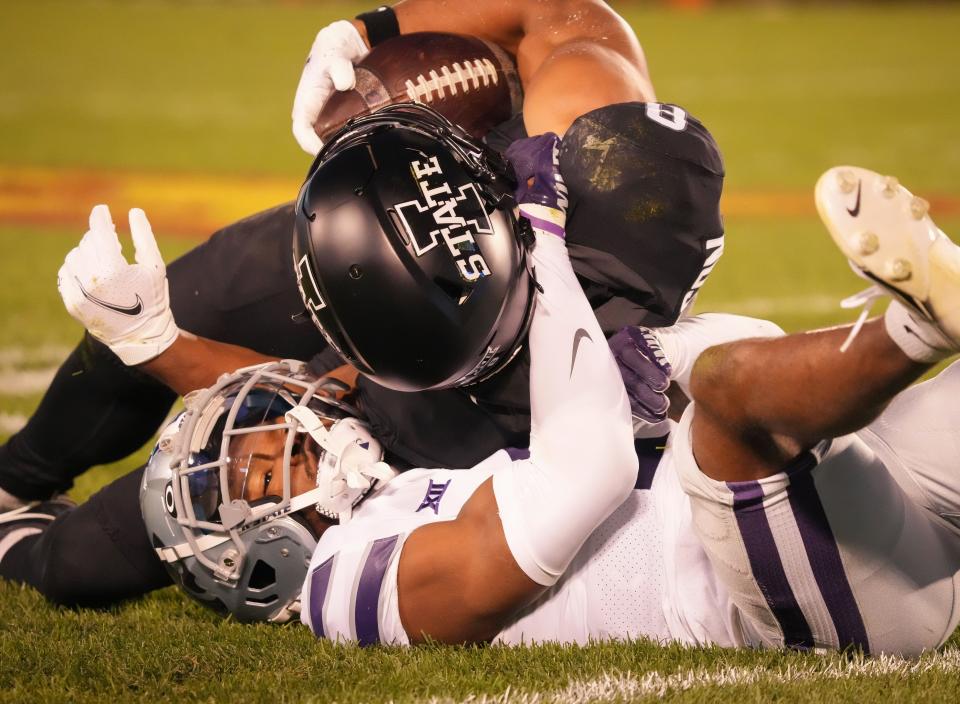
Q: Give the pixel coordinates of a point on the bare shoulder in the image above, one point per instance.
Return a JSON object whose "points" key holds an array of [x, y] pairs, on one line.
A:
{"points": [[576, 56]]}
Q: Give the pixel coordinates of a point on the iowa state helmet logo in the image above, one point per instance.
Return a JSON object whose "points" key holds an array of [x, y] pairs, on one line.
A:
{"points": [[455, 217]]}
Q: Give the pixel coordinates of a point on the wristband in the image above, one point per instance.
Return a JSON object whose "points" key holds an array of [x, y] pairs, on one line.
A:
{"points": [[381, 24]]}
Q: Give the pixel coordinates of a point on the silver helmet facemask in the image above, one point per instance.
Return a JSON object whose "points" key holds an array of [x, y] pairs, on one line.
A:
{"points": [[249, 558]]}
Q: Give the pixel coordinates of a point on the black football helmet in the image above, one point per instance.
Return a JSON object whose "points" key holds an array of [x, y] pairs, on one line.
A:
{"points": [[409, 257]]}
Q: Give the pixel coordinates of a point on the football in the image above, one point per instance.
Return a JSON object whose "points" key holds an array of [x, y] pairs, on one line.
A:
{"points": [[471, 82]]}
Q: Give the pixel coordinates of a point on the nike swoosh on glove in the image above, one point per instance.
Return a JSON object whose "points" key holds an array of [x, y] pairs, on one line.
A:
{"points": [[645, 371], [541, 193], [329, 68], [125, 306]]}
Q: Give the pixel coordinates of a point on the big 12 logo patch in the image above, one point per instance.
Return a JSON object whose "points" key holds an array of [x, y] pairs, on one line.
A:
{"points": [[442, 214]]}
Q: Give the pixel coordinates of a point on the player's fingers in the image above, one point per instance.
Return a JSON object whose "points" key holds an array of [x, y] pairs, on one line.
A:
{"points": [[638, 362], [342, 73], [305, 136], [100, 218], [647, 404], [102, 236], [145, 248], [655, 405]]}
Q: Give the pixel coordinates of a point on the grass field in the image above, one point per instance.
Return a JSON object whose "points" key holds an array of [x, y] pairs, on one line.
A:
{"points": [[129, 97]]}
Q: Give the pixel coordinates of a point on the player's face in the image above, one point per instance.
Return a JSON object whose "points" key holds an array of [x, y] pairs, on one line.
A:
{"points": [[256, 468]]}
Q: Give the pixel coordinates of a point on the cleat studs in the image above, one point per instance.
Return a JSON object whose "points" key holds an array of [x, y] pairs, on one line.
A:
{"points": [[919, 208], [847, 180], [867, 243], [890, 185], [899, 270]]}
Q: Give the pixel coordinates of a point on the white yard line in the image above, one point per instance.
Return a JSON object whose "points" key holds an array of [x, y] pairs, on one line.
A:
{"points": [[770, 307], [29, 370], [628, 686], [17, 356], [11, 423], [28, 381], [16, 380]]}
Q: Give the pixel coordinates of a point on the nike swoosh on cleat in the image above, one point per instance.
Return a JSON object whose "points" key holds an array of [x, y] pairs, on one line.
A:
{"points": [[577, 339], [133, 310], [855, 211]]}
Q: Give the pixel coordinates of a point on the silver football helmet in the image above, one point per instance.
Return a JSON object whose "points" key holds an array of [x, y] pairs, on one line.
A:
{"points": [[249, 556]]}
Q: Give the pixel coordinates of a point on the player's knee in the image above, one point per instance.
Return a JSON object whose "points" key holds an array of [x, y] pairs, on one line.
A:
{"points": [[721, 374], [711, 373]]}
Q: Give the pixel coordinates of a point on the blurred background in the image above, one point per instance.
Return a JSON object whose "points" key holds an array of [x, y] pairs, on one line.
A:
{"points": [[183, 108]]}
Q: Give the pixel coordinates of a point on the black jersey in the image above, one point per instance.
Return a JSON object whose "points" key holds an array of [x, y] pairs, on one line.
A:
{"points": [[643, 231]]}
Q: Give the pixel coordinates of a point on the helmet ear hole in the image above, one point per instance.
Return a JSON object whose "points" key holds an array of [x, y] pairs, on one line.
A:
{"points": [[262, 576]]}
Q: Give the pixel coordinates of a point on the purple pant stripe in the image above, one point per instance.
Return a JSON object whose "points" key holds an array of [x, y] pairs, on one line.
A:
{"points": [[824, 556], [368, 590], [551, 227], [766, 565], [319, 583]]}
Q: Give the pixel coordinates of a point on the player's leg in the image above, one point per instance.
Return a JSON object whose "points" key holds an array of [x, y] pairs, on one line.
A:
{"points": [[918, 433], [92, 555], [238, 287], [816, 537], [776, 397], [761, 402]]}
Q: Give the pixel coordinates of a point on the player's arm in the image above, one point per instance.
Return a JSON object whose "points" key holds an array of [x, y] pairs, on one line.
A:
{"points": [[463, 580], [573, 56], [127, 307], [193, 362]]}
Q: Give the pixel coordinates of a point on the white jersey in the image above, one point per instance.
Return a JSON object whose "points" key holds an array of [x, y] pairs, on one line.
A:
{"points": [[642, 573]]}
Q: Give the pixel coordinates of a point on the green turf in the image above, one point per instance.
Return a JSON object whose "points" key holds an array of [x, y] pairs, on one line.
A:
{"points": [[177, 86], [207, 86]]}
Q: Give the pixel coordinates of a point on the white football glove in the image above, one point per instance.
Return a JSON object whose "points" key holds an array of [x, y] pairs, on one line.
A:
{"points": [[125, 306], [329, 67]]}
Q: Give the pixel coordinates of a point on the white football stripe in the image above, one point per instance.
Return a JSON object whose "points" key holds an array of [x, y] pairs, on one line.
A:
{"points": [[627, 686], [41, 362], [15, 382], [763, 306], [17, 356], [11, 422]]}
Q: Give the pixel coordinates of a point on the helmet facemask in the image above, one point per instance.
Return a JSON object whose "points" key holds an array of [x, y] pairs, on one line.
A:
{"points": [[216, 527]]}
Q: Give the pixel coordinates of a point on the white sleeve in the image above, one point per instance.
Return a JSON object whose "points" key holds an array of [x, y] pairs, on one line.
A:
{"points": [[582, 463], [688, 338], [350, 595]]}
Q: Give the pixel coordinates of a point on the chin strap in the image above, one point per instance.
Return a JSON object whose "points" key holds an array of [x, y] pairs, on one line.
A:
{"points": [[352, 467]]}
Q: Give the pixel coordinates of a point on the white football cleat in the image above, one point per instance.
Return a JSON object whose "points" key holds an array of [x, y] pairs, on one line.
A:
{"points": [[890, 240]]}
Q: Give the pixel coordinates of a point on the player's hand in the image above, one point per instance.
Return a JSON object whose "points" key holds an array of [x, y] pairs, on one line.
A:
{"points": [[125, 306], [541, 193], [329, 67], [645, 371]]}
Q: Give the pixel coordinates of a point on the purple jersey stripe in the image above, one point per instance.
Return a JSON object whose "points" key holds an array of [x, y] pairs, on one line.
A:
{"points": [[319, 584], [766, 565], [551, 227], [368, 590], [824, 555], [649, 453]]}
